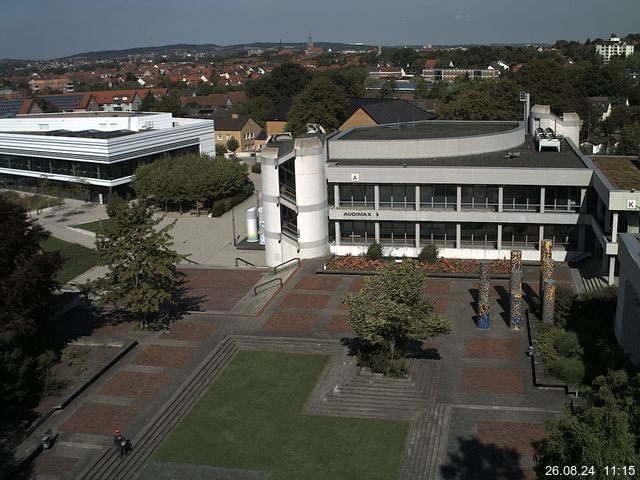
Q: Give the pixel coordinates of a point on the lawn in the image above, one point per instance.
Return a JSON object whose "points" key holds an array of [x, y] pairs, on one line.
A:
{"points": [[77, 259], [94, 226], [251, 418]]}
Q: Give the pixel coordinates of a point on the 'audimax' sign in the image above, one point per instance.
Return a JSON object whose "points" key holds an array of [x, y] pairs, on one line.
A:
{"points": [[359, 214]]}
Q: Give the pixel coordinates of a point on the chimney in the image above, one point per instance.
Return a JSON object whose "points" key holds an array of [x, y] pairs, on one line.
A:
{"points": [[234, 115]]}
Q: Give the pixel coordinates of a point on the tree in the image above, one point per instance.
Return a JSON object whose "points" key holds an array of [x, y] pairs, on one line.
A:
{"points": [[257, 108], [630, 141], [388, 88], [220, 150], [285, 80], [142, 267], [149, 103], [601, 432], [26, 285], [322, 101], [232, 144], [391, 310]]}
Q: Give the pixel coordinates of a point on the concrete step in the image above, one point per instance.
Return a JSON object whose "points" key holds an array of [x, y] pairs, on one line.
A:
{"points": [[109, 465]]}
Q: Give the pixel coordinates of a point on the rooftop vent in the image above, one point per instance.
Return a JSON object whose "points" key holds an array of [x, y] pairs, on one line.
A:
{"points": [[280, 137], [315, 128], [512, 155]]}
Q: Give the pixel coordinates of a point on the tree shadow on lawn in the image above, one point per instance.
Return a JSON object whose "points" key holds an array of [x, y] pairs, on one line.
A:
{"points": [[475, 460]]}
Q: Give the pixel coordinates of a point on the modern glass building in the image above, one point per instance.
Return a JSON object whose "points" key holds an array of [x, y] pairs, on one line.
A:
{"points": [[97, 151]]}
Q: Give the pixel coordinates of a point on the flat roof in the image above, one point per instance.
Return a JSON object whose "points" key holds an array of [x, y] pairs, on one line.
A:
{"points": [[527, 157], [428, 130], [620, 171], [88, 114], [99, 134]]}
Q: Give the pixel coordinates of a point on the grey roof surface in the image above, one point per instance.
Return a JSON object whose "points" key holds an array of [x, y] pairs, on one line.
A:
{"points": [[529, 158], [395, 111], [11, 107], [428, 130]]}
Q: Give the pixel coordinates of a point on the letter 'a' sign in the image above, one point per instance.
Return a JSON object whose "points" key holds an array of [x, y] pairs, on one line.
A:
{"points": [[355, 177], [632, 204]]}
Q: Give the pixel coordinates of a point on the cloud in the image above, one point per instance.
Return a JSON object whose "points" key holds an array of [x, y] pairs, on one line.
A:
{"points": [[464, 17]]}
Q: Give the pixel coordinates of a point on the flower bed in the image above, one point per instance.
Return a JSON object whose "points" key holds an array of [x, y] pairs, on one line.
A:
{"points": [[443, 265]]}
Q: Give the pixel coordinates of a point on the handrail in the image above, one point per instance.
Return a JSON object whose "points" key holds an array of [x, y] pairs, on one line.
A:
{"points": [[293, 260], [244, 261], [191, 261], [279, 280]]}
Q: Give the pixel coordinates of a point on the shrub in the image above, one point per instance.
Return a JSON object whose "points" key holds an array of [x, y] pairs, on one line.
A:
{"points": [[429, 254], [545, 342], [374, 252], [218, 208], [377, 360], [567, 345], [257, 168], [565, 298], [570, 370]]}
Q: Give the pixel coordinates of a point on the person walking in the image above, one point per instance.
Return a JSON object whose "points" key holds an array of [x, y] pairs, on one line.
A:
{"points": [[120, 442]]}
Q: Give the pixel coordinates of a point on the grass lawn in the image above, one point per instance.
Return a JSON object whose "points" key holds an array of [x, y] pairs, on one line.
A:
{"points": [[94, 226], [251, 418], [77, 259]]}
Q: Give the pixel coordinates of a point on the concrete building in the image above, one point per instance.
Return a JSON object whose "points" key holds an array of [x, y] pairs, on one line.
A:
{"points": [[475, 189], [614, 47], [98, 151], [449, 74], [627, 325]]}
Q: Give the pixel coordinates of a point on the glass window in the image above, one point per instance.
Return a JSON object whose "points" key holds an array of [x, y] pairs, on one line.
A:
{"points": [[398, 195], [521, 197], [438, 196], [61, 167], [356, 195], [482, 235], [289, 221], [520, 235], [398, 233], [441, 234], [481, 197], [562, 236], [357, 232], [563, 199]]}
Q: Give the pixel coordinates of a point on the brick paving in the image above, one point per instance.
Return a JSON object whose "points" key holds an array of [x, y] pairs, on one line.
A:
{"points": [[51, 464], [511, 435], [290, 321], [340, 324], [318, 283], [134, 384], [189, 331], [219, 289], [497, 348], [298, 300], [163, 356], [99, 418], [493, 380]]}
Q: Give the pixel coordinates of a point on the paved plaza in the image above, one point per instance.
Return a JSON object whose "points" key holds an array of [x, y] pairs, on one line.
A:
{"points": [[478, 400]]}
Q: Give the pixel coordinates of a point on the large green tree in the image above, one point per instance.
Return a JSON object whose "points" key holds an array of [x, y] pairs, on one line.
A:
{"points": [[391, 310], [322, 101], [142, 273], [601, 431], [27, 280]]}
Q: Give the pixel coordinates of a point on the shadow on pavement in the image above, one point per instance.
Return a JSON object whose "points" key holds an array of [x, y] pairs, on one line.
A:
{"points": [[477, 461]]}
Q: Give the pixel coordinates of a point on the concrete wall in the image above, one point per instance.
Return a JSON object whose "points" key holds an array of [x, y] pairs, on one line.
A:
{"points": [[568, 125], [87, 121], [627, 324], [428, 148]]}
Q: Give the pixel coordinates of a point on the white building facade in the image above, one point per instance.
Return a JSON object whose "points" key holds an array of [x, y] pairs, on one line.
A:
{"points": [[614, 47], [98, 150]]}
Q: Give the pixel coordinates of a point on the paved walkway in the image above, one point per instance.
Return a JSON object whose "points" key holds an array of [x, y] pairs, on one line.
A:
{"points": [[482, 401]]}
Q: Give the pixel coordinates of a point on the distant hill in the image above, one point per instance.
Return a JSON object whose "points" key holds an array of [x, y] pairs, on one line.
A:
{"points": [[210, 48]]}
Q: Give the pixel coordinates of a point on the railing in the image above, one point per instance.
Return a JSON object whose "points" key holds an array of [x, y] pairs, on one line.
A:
{"points": [[437, 205], [288, 191], [287, 264], [479, 205], [399, 239], [512, 206], [263, 287], [192, 261], [238, 259]]}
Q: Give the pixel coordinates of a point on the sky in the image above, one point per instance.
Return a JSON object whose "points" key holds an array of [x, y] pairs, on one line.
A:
{"points": [[45, 29]]}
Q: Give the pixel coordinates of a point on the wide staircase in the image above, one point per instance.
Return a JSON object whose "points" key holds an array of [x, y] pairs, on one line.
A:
{"points": [[590, 270]]}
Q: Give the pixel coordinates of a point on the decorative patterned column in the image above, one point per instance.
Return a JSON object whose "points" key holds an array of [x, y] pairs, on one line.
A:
{"points": [[483, 316], [515, 291], [545, 254], [547, 266], [515, 313], [483, 294], [549, 301]]}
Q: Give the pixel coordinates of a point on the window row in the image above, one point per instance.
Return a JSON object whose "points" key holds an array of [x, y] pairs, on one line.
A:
{"points": [[445, 197], [72, 168], [481, 235]]}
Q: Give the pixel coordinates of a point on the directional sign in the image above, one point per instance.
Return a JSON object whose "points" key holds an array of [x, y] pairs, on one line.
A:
{"points": [[355, 177]]}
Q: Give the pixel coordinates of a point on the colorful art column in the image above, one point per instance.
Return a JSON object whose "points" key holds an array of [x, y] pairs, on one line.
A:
{"points": [[549, 300], [515, 311], [547, 267], [515, 291], [545, 254], [483, 294]]}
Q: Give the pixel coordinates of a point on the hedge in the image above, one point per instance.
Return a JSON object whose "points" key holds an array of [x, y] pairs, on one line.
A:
{"points": [[219, 207]]}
